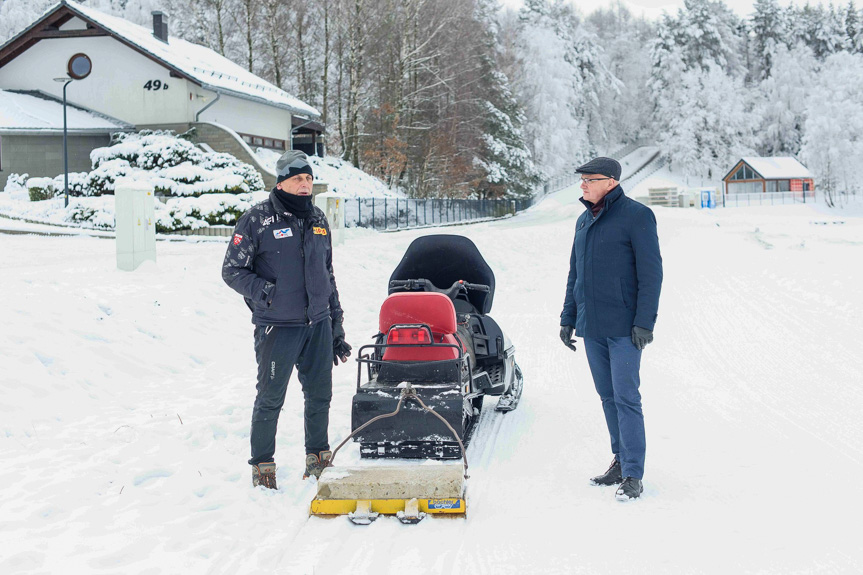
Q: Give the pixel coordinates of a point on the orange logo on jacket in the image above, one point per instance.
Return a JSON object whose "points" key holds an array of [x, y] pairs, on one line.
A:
{"points": [[320, 231]]}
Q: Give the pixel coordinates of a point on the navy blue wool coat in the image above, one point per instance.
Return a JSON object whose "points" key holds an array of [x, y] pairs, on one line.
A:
{"points": [[615, 270]]}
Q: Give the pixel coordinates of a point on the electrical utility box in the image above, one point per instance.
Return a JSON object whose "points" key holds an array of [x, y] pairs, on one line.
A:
{"points": [[333, 206], [134, 222]]}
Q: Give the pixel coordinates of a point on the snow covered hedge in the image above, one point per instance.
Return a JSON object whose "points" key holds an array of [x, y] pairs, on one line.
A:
{"points": [[198, 188], [174, 165]]}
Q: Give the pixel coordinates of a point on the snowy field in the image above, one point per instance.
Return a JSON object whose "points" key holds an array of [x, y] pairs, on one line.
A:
{"points": [[125, 401]]}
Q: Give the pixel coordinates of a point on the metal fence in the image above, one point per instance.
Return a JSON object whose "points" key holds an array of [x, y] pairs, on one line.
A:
{"points": [[767, 199], [402, 213]]}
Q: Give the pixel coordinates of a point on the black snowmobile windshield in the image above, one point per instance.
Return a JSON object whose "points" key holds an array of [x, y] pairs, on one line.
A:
{"points": [[445, 259]]}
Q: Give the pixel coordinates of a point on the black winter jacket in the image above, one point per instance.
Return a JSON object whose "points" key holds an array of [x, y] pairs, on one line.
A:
{"points": [[283, 265]]}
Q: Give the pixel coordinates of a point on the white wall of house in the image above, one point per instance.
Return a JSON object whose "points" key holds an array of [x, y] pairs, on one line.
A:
{"points": [[247, 117], [115, 87]]}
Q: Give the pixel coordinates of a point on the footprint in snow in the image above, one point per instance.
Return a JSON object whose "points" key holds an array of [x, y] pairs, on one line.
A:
{"points": [[152, 475], [45, 360]]}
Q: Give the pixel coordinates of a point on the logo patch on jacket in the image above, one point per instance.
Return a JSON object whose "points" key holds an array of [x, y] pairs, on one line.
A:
{"points": [[237, 239], [283, 233], [320, 231]]}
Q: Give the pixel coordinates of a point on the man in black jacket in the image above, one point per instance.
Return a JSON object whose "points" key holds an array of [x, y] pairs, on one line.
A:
{"points": [[612, 298], [280, 260]]}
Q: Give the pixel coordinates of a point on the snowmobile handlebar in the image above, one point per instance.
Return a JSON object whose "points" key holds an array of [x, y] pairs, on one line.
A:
{"points": [[422, 284]]}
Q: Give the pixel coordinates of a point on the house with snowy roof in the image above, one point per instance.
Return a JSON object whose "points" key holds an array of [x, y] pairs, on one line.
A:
{"points": [[140, 78], [766, 175]]}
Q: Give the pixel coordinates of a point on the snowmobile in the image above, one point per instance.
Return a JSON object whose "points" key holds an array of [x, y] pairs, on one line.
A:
{"points": [[436, 337], [421, 385]]}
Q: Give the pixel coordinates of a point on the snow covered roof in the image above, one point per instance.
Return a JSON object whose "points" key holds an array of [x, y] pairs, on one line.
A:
{"points": [[778, 168], [35, 112], [198, 63]]}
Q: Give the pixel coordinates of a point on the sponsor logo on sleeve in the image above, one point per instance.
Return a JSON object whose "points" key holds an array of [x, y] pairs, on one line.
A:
{"points": [[237, 239], [283, 233], [320, 231]]}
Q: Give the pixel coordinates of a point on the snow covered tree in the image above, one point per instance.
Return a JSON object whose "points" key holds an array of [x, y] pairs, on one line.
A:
{"points": [[833, 132], [16, 15], [503, 157], [626, 106], [706, 123], [784, 101], [706, 30], [822, 29], [562, 84], [768, 31]]}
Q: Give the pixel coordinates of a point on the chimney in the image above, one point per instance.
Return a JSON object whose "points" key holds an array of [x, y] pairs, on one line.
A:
{"points": [[160, 26]]}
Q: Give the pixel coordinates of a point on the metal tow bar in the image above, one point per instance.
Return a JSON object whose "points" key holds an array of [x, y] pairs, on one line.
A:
{"points": [[408, 392]]}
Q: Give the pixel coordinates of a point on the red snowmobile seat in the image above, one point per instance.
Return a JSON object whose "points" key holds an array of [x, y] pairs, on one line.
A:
{"points": [[433, 309]]}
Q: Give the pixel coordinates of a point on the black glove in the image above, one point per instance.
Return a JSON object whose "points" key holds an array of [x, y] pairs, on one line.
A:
{"points": [[566, 336], [641, 337], [341, 348]]}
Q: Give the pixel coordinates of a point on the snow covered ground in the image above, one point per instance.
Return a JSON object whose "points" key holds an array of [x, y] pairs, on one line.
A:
{"points": [[125, 401]]}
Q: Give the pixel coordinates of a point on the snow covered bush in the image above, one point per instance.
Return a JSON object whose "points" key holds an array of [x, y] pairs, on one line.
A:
{"points": [[174, 165], [94, 213], [101, 180], [16, 182], [194, 213], [41, 189]]}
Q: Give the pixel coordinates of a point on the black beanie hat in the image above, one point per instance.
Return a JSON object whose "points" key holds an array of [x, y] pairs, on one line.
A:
{"points": [[291, 163]]}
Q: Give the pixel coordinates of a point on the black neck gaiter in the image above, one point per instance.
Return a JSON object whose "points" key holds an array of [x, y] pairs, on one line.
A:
{"points": [[300, 206]]}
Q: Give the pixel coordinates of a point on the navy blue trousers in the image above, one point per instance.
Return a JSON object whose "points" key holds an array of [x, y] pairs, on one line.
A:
{"points": [[278, 350], [614, 363]]}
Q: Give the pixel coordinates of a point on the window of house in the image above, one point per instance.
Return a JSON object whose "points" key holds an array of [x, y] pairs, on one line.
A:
{"points": [[744, 173]]}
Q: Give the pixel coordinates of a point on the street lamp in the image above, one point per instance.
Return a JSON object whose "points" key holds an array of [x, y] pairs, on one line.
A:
{"points": [[78, 68]]}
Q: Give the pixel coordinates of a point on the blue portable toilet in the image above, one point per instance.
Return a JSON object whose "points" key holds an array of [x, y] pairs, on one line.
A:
{"points": [[708, 198]]}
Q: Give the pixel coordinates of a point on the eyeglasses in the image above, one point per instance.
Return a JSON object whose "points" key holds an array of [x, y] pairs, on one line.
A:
{"points": [[591, 180]]}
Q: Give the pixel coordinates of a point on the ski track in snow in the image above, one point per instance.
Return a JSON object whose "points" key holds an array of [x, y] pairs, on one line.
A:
{"points": [[125, 401]]}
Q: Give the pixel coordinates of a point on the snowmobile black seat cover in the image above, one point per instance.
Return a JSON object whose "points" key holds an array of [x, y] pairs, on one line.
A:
{"points": [[443, 260]]}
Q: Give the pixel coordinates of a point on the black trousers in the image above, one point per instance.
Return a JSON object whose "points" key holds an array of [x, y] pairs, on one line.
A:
{"points": [[278, 350]]}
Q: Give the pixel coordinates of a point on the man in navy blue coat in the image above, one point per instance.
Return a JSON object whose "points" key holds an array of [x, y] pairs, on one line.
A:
{"points": [[612, 298]]}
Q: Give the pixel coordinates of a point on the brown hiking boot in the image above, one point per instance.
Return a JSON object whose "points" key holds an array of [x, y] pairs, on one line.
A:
{"points": [[315, 465], [264, 474]]}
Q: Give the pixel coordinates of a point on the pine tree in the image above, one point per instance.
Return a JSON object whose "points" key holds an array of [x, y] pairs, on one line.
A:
{"points": [[851, 25], [769, 33], [503, 157]]}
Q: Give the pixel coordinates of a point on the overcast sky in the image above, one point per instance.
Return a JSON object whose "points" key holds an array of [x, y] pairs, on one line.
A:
{"points": [[654, 8]]}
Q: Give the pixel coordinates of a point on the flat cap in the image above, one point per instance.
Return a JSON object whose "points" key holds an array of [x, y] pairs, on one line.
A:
{"points": [[608, 167]]}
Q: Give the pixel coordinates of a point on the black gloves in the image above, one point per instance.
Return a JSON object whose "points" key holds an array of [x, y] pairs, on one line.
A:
{"points": [[641, 337], [341, 348], [566, 336]]}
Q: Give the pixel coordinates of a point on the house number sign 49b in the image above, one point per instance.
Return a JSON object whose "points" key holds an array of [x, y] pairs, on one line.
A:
{"points": [[155, 85]]}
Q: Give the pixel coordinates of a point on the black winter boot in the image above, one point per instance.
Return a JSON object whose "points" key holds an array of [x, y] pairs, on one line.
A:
{"points": [[264, 474], [630, 489], [610, 477]]}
